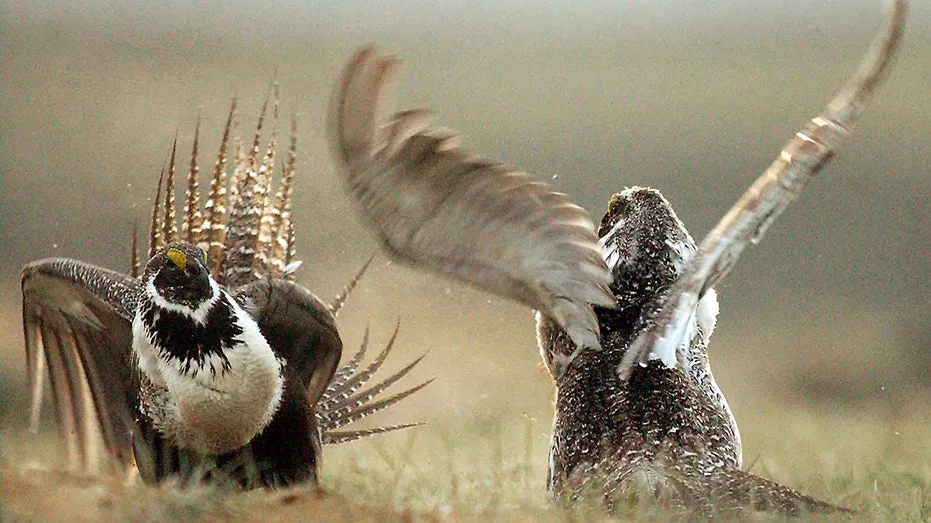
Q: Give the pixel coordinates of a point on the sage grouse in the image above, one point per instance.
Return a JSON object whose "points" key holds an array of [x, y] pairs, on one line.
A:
{"points": [[212, 364], [643, 413]]}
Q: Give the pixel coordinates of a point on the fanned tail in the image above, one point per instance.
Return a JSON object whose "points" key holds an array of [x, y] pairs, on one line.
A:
{"points": [[736, 488], [169, 225], [344, 373], [733, 492], [358, 380], [345, 436], [724, 493], [155, 227], [345, 402], [269, 214], [281, 249], [248, 235], [245, 235], [135, 269]]}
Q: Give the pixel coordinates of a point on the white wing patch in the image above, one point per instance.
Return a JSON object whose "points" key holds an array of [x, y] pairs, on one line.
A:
{"points": [[708, 314], [609, 250], [684, 327], [692, 316]]}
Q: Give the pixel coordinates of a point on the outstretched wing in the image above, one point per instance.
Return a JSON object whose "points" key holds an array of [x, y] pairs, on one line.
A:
{"points": [[800, 159], [434, 206], [77, 321], [299, 328]]}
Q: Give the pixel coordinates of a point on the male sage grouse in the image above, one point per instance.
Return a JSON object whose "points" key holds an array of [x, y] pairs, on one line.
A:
{"points": [[212, 363], [643, 414]]}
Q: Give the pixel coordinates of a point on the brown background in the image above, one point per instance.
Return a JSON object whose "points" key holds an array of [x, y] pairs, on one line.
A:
{"points": [[594, 96]]}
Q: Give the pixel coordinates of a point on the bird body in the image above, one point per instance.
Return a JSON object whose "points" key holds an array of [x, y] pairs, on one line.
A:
{"points": [[665, 432], [213, 380], [211, 364], [640, 412], [670, 415], [644, 417]]}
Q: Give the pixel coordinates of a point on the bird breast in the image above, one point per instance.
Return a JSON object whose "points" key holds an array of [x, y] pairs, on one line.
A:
{"points": [[217, 401]]}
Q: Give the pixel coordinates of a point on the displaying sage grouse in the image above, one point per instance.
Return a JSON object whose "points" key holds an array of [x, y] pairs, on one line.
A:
{"points": [[212, 364], [643, 414]]}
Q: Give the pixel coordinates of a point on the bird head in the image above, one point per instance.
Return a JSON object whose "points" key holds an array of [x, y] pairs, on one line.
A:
{"points": [[644, 243], [178, 275]]}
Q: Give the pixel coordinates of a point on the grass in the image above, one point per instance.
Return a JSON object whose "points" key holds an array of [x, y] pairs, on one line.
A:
{"points": [[495, 470]]}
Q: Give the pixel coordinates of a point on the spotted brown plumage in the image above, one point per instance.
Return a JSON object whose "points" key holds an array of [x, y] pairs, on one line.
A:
{"points": [[667, 429], [644, 414], [644, 418], [172, 372], [435, 206]]}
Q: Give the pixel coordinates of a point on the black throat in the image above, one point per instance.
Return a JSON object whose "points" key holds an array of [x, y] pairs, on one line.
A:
{"points": [[178, 337]]}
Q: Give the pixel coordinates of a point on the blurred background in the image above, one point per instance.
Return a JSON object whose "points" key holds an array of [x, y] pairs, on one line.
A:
{"points": [[829, 312]]}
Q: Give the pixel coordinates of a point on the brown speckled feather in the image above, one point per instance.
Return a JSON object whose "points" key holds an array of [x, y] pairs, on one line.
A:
{"points": [[800, 159], [644, 417], [77, 323], [435, 206], [192, 220]]}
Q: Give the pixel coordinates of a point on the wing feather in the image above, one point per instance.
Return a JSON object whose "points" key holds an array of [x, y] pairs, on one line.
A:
{"points": [[435, 206], [746, 222], [77, 324], [299, 328]]}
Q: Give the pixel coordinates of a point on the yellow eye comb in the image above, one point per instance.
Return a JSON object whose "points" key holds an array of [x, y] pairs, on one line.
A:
{"points": [[177, 257]]}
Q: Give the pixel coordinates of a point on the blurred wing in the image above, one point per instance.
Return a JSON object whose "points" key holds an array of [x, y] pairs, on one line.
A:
{"points": [[434, 206], [300, 329], [77, 321], [800, 159]]}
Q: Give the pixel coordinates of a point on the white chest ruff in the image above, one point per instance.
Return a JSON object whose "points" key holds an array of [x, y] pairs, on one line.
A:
{"points": [[212, 412]]}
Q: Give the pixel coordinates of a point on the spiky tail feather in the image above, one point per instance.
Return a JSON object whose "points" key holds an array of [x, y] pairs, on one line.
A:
{"points": [[260, 244], [345, 402], [736, 489]]}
